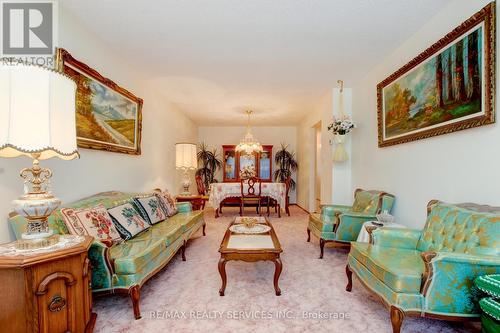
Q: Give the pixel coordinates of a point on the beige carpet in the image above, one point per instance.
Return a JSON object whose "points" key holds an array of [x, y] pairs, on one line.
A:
{"points": [[184, 296]]}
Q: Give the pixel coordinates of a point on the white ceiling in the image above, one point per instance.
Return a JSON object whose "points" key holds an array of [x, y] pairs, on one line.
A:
{"points": [[215, 58]]}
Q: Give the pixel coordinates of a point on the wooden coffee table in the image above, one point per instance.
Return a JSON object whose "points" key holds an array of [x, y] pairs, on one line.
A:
{"points": [[250, 248]]}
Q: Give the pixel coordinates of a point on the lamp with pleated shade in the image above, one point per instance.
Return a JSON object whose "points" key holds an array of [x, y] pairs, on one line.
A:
{"points": [[186, 159], [37, 119]]}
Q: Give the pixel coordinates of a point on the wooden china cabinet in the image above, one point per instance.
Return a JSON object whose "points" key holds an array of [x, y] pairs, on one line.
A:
{"points": [[234, 162]]}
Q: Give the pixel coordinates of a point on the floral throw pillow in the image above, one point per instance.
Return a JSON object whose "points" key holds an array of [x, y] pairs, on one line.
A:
{"points": [[150, 209], [94, 221], [127, 220], [168, 202]]}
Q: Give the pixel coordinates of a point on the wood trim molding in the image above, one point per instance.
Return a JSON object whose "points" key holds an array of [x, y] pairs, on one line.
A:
{"points": [[428, 273], [369, 229], [42, 287]]}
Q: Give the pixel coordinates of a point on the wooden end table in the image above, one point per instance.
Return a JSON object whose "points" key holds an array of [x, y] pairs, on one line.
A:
{"points": [[47, 291], [197, 201], [250, 248]]}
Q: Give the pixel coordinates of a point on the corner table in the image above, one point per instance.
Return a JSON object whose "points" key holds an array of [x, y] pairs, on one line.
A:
{"points": [[250, 248]]}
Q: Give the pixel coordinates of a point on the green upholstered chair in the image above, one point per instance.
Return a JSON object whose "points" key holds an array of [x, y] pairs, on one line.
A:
{"points": [[341, 224], [490, 305], [430, 273]]}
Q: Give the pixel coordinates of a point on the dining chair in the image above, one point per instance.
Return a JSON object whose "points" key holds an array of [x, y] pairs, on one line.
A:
{"points": [[202, 190], [250, 193]]}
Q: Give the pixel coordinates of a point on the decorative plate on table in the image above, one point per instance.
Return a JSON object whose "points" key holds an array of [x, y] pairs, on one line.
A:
{"points": [[256, 229]]}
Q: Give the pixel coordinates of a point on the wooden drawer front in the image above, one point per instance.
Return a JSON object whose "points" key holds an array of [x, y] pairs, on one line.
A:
{"points": [[55, 302]]}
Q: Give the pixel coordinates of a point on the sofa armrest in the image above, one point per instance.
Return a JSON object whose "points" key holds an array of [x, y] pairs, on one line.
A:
{"points": [[396, 237], [349, 225], [331, 210], [184, 207], [102, 269], [450, 276]]}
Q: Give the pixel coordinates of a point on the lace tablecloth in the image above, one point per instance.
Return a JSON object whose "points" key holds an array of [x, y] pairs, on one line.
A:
{"points": [[221, 191]]}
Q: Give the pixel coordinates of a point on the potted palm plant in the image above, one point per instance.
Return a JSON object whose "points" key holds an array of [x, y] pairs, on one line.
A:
{"points": [[285, 164], [209, 163]]}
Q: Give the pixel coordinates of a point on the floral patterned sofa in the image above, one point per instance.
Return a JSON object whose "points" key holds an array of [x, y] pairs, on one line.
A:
{"points": [[430, 273], [126, 266]]}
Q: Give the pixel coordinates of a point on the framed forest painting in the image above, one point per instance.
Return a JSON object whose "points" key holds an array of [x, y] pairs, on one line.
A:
{"points": [[448, 87], [108, 117]]}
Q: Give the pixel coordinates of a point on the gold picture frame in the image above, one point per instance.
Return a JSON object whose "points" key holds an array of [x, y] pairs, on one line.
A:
{"points": [[108, 117], [429, 97]]}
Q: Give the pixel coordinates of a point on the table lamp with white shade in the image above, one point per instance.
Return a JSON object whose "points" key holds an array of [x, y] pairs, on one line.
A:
{"points": [[37, 119], [186, 159]]}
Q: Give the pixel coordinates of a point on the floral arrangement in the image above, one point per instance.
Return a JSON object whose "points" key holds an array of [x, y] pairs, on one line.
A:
{"points": [[247, 172], [341, 126]]}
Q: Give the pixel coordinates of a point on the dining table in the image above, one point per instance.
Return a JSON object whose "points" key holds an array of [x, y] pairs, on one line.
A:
{"points": [[220, 191]]}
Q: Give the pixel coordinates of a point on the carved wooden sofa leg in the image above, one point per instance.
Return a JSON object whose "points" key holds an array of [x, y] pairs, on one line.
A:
{"points": [[135, 296], [397, 317], [322, 247], [348, 272], [308, 235]]}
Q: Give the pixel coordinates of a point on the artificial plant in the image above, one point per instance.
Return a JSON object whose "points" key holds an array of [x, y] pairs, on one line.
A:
{"points": [[209, 163], [285, 164]]}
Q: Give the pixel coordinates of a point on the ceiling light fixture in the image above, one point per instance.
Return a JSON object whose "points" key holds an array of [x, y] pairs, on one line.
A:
{"points": [[248, 145]]}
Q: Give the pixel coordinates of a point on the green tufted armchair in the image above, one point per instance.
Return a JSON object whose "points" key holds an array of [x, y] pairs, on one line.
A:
{"points": [[341, 224], [430, 273]]}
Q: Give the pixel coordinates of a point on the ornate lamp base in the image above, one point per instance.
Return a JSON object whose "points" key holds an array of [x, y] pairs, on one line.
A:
{"points": [[36, 205]]}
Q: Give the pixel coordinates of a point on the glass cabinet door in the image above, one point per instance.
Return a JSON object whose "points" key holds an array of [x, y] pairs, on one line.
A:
{"points": [[229, 165], [266, 163], [265, 166], [248, 163]]}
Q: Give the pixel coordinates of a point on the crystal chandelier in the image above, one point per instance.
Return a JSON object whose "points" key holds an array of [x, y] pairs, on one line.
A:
{"points": [[248, 145]]}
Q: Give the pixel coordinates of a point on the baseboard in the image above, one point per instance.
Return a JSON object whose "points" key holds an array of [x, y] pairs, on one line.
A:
{"points": [[305, 210]]}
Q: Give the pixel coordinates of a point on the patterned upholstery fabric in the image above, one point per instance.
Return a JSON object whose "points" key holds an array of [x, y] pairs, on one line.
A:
{"points": [[150, 209], [405, 301], [453, 229], [464, 245], [343, 223], [400, 269], [130, 257], [127, 220], [94, 221]]}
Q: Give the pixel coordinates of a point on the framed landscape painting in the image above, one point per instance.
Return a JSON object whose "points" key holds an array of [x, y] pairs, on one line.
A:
{"points": [[448, 87], [108, 117]]}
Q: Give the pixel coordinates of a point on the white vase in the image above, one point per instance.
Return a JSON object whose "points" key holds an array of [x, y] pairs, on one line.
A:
{"points": [[340, 155]]}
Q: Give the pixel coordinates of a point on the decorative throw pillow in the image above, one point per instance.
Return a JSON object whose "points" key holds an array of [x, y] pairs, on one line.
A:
{"points": [[168, 202], [94, 221], [127, 220], [150, 208]]}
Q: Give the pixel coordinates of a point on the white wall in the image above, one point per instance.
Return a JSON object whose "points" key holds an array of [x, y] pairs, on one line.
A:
{"points": [[305, 145], [342, 171], [215, 137], [98, 171], [457, 167]]}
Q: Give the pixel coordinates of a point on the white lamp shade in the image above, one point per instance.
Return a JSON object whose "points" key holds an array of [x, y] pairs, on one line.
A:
{"points": [[37, 113], [185, 156]]}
